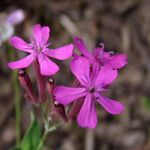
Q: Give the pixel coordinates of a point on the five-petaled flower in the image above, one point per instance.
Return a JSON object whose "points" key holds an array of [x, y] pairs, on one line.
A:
{"points": [[98, 55], [92, 84], [38, 49]]}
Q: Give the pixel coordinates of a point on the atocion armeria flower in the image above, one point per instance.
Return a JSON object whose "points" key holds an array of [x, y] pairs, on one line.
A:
{"points": [[92, 84], [38, 50], [98, 55]]}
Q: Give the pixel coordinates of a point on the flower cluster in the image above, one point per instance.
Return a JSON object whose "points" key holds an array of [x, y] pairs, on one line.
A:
{"points": [[94, 71]]}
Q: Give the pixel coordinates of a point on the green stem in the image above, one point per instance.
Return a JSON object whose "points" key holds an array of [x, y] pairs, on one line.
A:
{"points": [[39, 147], [41, 143], [17, 107]]}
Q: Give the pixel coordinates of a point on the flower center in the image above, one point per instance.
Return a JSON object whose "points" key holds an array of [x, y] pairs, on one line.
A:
{"points": [[39, 49], [92, 90]]}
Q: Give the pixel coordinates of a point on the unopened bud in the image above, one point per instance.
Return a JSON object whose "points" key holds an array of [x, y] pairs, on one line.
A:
{"points": [[50, 88], [21, 73], [51, 81]]}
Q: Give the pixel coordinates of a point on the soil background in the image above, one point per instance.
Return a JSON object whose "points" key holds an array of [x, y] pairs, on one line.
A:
{"points": [[124, 26]]}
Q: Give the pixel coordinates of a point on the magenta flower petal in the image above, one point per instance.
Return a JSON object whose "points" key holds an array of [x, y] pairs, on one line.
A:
{"points": [[37, 34], [47, 67], [94, 72], [106, 75], [110, 105], [117, 61], [81, 46], [60, 53], [20, 44], [41, 35], [87, 115], [81, 69], [45, 35], [66, 95], [23, 63]]}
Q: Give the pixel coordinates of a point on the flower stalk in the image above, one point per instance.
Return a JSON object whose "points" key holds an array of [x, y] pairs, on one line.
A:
{"points": [[42, 140], [41, 82]]}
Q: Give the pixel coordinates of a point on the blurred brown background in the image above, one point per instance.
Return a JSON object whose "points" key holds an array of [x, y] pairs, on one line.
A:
{"points": [[124, 26]]}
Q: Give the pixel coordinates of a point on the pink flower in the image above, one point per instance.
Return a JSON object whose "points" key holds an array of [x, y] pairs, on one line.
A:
{"points": [[38, 50], [98, 55], [92, 84]]}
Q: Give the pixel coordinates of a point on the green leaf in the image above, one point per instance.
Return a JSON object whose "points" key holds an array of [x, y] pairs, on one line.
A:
{"points": [[146, 103], [16, 148], [32, 137]]}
